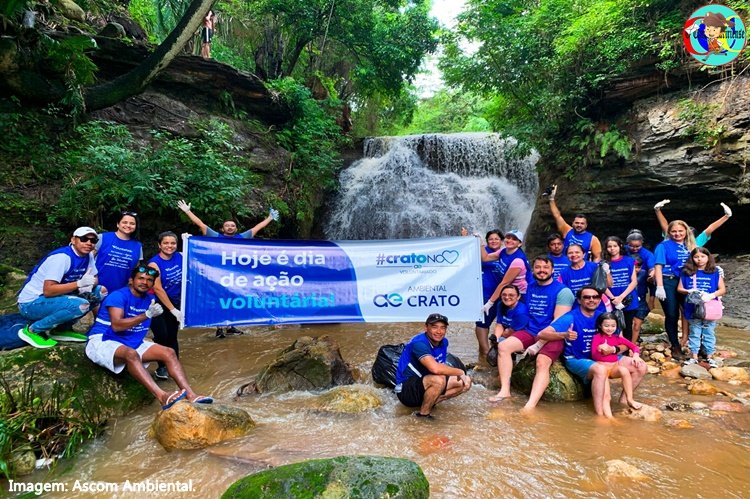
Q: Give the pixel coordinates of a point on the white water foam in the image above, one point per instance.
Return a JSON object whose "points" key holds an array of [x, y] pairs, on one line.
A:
{"points": [[431, 186]]}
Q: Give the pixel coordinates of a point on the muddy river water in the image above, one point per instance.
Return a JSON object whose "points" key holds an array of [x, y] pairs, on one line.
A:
{"points": [[472, 449]]}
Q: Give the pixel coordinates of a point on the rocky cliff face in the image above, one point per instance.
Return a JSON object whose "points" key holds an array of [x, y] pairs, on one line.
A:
{"points": [[669, 162]]}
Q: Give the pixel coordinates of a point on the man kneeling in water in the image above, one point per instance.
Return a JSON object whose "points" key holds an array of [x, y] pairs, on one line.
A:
{"points": [[423, 379], [117, 338]]}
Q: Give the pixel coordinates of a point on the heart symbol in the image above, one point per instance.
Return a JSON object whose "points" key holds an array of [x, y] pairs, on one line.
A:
{"points": [[451, 256]]}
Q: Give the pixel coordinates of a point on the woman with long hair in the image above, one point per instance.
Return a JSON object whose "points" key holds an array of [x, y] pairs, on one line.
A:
{"points": [[118, 252], [669, 257]]}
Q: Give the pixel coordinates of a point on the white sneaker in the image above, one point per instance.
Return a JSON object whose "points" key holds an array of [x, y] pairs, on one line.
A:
{"points": [[690, 362]]}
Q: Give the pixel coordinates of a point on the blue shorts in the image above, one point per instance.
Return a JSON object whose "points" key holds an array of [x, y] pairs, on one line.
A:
{"points": [[580, 367], [642, 311]]}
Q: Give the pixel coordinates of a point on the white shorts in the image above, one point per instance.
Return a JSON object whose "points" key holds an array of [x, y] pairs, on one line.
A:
{"points": [[103, 352]]}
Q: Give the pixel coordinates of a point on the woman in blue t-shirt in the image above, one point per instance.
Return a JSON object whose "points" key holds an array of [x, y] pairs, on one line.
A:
{"points": [[491, 277], [512, 321], [579, 273], [623, 286], [118, 252], [669, 258], [168, 290]]}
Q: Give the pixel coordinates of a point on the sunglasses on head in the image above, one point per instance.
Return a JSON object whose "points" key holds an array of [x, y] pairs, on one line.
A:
{"points": [[89, 239], [130, 213], [150, 271]]}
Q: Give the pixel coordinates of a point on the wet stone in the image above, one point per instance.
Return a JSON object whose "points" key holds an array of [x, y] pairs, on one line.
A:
{"points": [[695, 371]]}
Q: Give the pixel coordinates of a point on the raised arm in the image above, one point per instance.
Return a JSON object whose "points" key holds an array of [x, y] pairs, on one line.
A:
{"points": [[562, 225], [272, 215], [663, 223], [727, 214], [185, 207]]}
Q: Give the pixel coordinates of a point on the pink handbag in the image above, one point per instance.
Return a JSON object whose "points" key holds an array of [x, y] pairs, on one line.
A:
{"points": [[714, 309]]}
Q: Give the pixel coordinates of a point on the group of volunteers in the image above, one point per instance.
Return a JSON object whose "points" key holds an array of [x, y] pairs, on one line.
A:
{"points": [[582, 301], [106, 274]]}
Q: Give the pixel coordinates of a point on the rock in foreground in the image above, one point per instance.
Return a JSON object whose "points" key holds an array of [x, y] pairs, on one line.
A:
{"points": [[195, 426], [308, 364], [563, 386], [348, 399], [355, 476]]}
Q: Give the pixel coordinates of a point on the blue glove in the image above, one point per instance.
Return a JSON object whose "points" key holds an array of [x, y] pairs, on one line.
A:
{"points": [[274, 214]]}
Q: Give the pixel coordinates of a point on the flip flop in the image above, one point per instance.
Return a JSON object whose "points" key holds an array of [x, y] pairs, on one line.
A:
{"points": [[174, 398], [203, 400]]}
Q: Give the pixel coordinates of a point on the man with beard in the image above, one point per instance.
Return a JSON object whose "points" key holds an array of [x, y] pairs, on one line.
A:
{"points": [[546, 299], [576, 233]]}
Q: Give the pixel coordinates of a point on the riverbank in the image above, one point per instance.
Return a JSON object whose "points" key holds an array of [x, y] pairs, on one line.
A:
{"points": [[737, 299]]}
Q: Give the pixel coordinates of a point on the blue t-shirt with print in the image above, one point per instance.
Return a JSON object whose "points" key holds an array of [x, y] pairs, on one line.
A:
{"points": [[516, 318], [419, 346], [132, 306]]}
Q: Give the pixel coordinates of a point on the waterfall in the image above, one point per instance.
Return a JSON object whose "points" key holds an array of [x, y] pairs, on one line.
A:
{"points": [[432, 185]]}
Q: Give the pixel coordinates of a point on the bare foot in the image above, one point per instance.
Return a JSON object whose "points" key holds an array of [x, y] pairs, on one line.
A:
{"points": [[498, 398], [635, 405]]}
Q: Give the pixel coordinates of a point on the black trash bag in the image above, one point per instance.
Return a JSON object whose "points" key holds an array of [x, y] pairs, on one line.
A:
{"points": [[492, 354], [599, 279], [386, 363], [699, 310], [620, 316]]}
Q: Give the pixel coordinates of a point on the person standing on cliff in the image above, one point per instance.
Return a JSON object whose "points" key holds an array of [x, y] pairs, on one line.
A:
{"points": [[228, 229], [207, 34], [576, 233], [423, 379]]}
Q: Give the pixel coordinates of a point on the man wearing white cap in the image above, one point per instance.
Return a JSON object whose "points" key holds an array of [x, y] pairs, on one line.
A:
{"points": [[52, 294]]}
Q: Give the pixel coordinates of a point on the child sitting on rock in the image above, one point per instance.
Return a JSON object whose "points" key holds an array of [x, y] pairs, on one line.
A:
{"points": [[604, 350]]}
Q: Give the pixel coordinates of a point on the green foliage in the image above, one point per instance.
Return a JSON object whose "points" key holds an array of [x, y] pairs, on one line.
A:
{"points": [[68, 58], [43, 422], [701, 120], [448, 111], [107, 170], [313, 138], [544, 63], [594, 144]]}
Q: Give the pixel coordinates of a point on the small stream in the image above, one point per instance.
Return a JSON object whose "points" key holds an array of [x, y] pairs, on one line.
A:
{"points": [[472, 449]]}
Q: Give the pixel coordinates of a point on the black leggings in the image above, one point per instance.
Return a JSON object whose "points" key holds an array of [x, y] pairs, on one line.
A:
{"points": [[629, 316], [165, 327]]}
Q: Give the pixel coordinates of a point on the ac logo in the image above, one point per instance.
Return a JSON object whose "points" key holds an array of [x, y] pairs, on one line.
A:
{"points": [[389, 300]]}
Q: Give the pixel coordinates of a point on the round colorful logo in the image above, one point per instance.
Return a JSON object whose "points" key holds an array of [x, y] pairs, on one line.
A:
{"points": [[714, 35]]}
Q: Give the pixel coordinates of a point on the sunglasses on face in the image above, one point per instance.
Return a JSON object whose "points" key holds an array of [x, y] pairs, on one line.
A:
{"points": [[590, 297], [89, 239], [150, 271]]}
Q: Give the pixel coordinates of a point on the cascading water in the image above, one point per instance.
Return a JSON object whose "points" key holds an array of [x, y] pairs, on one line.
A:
{"points": [[432, 185]]}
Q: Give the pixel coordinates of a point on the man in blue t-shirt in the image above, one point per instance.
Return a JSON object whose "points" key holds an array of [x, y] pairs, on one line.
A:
{"points": [[423, 379], [576, 233], [116, 340], [228, 229]]}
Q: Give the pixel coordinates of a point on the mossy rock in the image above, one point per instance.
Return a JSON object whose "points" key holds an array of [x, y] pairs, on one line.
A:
{"points": [[64, 371], [11, 280], [563, 386], [339, 477]]}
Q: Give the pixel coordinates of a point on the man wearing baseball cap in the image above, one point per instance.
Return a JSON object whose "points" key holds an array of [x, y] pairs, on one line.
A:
{"points": [[423, 379], [59, 291]]}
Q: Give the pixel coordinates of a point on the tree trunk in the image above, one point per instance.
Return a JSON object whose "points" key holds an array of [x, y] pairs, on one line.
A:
{"points": [[133, 82]]}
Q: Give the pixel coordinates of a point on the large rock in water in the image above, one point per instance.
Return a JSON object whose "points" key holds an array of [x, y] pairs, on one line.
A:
{"points": [[195, 426], [308, 364], [563, 386], [348, 399], [357, 476]]}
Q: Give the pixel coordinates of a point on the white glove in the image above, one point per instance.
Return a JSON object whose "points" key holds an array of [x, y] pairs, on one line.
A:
{"points": [[707, 296], [274, 214], [605, 267], [487, 307], [533, 349], [620, 306], [154, 310], [86, 283], [552, 194], [178, 314], [727, 210], [660, 204], [661, 295], [181, 204]]}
